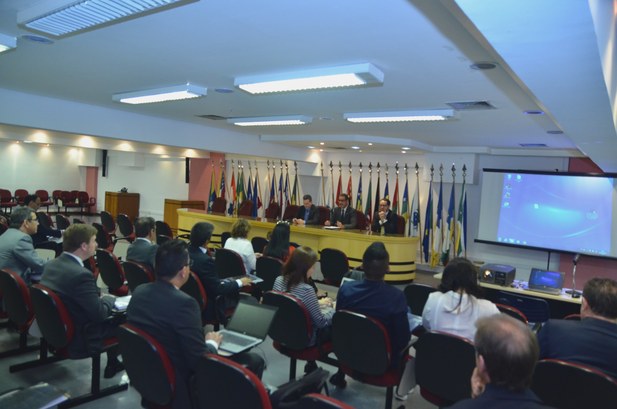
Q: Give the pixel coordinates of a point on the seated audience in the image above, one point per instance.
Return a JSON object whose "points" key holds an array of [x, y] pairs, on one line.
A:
{"points": [[76, 286], [592, 340], [203, 266], [457, 306], [143, 249], [239, 243], [377, 299], [343, 216], [173, 319], [42, 233], [506, 355], [308, 213], [384, 221], [16, 248], [278, 246]]}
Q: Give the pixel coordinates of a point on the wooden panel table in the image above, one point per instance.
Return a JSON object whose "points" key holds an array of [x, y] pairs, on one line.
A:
{"points": [[170, 215], [353, 242], [119, 202]]}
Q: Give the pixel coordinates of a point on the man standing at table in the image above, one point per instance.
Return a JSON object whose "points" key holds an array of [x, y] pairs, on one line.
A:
{"points": [[308, 213], [344, 217]]}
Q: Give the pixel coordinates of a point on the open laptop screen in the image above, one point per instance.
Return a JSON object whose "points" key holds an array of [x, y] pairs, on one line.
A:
{"points": [[542, 279], [252, 319]]}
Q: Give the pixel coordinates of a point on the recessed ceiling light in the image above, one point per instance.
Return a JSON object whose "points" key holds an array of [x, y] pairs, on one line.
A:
{"points": [[400, 116], [483, 65], [322, 143], [370, 144], [360, 151], [27, 141], [355, 147], [311, 147], [405, 148], [271, 120], [321, 150], [533, 112], [403, 151]]}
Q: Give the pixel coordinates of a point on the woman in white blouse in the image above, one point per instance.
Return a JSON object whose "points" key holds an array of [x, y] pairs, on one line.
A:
{"points": [[239, 243], [457, 305]]}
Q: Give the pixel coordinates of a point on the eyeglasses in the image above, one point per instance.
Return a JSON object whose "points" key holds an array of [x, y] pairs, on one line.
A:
{"points": [[33, 220]]}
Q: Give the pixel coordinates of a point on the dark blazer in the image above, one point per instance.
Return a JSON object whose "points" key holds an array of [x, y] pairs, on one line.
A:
{"points": [[590, 342], [203, 266], [389, 226], [313, 217], [77, 289], [495, 397], [143, 252], [172, 318], [349, 220], [43, 232]]}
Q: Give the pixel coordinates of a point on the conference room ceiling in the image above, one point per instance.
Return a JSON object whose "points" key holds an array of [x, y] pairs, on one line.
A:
{"points": [[546, 55]]}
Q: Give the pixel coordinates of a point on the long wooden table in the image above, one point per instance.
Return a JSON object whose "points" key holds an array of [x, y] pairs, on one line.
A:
{"points": [[402, 250]]}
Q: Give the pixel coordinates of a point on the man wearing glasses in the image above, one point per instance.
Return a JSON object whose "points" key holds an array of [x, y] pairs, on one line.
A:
{"points": [[343, 216], [384, 221], [16, 248]]}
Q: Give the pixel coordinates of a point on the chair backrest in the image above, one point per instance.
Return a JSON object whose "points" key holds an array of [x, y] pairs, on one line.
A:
{"points": [[195, 289], [512, 312], [222, 383], [318, 401], [228, 263], [361, 343], [573, 317], [107, 220], [52, 317], [62, 222], [535, 309], [246, 208], [44, 220], [68, 197], [127, 229], [147, 365], [20, 194], [259, 243], [290, 212], [110, 269], [219, 205], [567, 385], [56, 195], [5, 196], [444, 364], [324, 214], [416, 295], [334, 265], [43, 195], [224, 236], [400, 225], [163, 228], [361, 220], [136, 274], [16, 299], [273, 211], [292, 326], [102, 237], [121, 249], [268, 268]]}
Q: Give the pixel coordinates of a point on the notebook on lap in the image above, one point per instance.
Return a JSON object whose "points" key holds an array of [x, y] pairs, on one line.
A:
{"points": [[550, 282], [248, 327]]}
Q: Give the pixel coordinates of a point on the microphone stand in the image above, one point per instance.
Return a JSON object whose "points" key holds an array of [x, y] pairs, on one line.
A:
{"points": [[575, 294]]}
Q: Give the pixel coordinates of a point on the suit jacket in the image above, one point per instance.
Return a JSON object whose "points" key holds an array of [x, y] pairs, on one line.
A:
{"points": [[17, 254], [369, 298], [389, 225], [349, 220], [43, 232], [143, 252], [172, 318], [313, 217], [590, 342], [495, 397], [203, 266], [76, 287]]}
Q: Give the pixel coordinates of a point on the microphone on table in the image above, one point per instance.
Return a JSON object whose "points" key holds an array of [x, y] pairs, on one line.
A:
{"points": [[575, 294]]}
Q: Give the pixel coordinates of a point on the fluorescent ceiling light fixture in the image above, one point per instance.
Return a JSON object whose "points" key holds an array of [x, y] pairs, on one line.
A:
{"points": [[271, 120], [329, 77], [7, 42], [165, 94], [400, 116], [60, 17]]}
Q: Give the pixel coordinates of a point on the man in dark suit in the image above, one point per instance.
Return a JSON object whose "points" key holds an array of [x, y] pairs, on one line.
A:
{"points": [[172, 318], [384, 221], [307, 214], [203, 266], [506, 355], [343, 216], [43, 232], [592, 340], [76, 286], [143, 249]]}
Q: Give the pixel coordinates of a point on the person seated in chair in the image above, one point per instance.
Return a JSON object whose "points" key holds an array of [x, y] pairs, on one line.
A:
{"points": [[172, 318], [506, 355], [307, 214], [143, 249], [278, 245], [203, 267], [16, 249], [76, 287], [592, 340], [42, 233], [343, 216], [384, 221], [239, 243]]}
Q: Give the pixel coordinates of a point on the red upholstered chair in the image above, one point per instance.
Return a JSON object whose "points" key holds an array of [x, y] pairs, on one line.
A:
{"points": [[127, 229], [108, 222], [55, 196], [400, 224], [324, 214], [292, 329], [103, 240], [573, 317], [111, 272], [259, 243], [62, 222], [416, 295], [57, 328], [568, 385], [318, 401], [273, 211], [45, 200], [334, 265], [268, 268], [512, 312], [85, 201], [362, 346], [219, 205], [195, 289], [246, 208], [147, 365], [290, 212], [20, 195], [228, 263], [361, 221], [136, 274], [6, 200], [163, 232], [221, 383], [68, 200]]}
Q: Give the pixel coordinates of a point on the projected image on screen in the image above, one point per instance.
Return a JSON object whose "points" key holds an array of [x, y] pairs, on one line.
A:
{"points": [[571, 214]]}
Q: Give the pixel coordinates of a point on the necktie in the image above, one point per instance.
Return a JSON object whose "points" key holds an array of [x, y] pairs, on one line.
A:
{"points": [[306, 215], [342, 214]]}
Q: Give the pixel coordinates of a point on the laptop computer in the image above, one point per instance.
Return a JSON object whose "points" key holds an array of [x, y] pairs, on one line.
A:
{"points": [[550, 282], [253, 278], [248, 327]]}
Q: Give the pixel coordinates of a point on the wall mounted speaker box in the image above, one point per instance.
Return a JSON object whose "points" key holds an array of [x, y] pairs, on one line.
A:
{"points": [[499, 274]]}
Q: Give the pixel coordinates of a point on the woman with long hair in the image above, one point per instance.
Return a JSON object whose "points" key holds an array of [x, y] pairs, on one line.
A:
{"points": [[278, 246], [458, 304]]}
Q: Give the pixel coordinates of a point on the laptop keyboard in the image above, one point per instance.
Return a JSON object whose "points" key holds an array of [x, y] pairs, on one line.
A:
{"points": [[234, 339]]}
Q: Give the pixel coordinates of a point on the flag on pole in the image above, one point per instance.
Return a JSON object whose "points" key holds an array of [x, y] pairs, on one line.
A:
{"points": [[428, 225], [377, 197], [405, 204], [449, 236], [287, 198], [222, 188], [249, 189], [395, 198], [212, 194], [232, 192], [369, 199], [294, 198], [414, 224], [280, 199], [339, 187], [349, 192], [256, 198], [273, 186], [241, 194], [437, 232], [461, 224], [359, 195]]}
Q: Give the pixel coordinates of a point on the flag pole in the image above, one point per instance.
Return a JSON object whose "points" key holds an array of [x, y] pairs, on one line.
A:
{"points": [[323, 187], [332, 182], [419, 207], [464, 212]]}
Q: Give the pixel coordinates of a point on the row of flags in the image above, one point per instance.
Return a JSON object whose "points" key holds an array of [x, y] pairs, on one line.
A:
{"points": [[443, 234]]}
